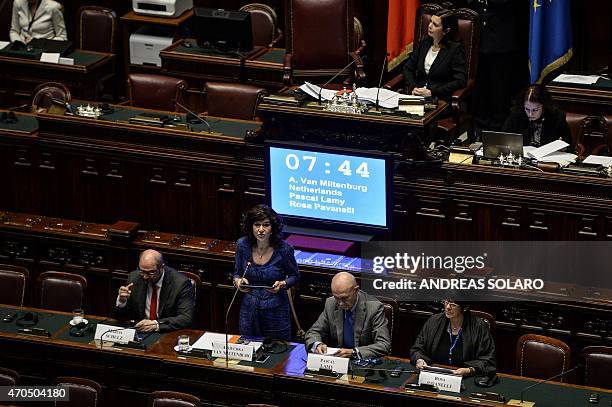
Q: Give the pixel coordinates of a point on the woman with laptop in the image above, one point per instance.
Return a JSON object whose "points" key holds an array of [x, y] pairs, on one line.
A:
{"points": [[264, 269], [37, 19], [537, 119], [455, 338], [436, 68]]}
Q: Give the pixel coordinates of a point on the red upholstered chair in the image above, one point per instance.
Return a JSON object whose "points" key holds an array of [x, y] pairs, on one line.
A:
{"points": [[469, 34], [173, 399], [83, 392], [541, 357], [14, 283], [61, 291], [488, 319], [8, 377], [158, 92], [43, 95], [597, 366], [233, 100], [97, 29], [590, 134], [320, 41], [265, 24]]}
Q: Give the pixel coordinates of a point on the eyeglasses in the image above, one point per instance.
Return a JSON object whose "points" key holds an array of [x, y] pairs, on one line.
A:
{"points": [[449, 303], [149, 272]]}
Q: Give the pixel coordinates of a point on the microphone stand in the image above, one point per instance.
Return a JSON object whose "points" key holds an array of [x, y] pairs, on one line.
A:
{"points": [[228, 312], [382, 73], [335, 76], [194, 115], [529, 403]]}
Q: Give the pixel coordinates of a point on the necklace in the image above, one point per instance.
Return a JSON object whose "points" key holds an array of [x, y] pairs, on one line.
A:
{"points": [[262, 253]]}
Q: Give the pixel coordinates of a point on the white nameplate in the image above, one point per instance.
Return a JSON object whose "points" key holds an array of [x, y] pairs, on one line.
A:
{"points": [[445, 382], [51, 57], [114, 333], [333, 363], [66, 61], [237, 351]]}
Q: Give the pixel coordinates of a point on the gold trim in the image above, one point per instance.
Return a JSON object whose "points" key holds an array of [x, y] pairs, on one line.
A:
{"points": [[562, 60], [395, 62]]}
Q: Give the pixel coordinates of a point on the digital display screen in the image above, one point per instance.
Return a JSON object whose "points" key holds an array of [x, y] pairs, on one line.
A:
{"points": [[320, 183]]}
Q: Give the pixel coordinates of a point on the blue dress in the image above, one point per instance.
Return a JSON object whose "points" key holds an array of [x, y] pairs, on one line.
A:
{"points": [[263, 313]]}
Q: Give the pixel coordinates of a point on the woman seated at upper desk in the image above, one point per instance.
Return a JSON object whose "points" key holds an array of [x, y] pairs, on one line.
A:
{"points": [[456, 338], [537, 119], [436, 68], [37, 19]]}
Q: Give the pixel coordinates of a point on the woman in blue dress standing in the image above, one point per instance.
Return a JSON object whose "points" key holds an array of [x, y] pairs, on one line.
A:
{"points": [[263, 258]]}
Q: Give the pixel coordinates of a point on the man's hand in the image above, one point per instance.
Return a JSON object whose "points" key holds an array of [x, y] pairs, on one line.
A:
{"points": [[344, 353], [146, 325], [239, 281], [421, 92], [321, 349], [463, 371], [124, 292], [420, 364], [277, 286]]}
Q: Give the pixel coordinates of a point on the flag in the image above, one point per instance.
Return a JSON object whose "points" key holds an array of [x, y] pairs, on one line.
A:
{"points": [[400, 30], [550, 37]]}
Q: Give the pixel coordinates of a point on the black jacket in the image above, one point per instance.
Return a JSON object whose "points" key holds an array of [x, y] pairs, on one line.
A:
{"points": [[446, 75], [554, 126], [478, 345], [175, 302], [497, 26]]}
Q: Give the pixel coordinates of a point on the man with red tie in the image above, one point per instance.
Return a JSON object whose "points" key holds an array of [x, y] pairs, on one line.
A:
{"points": [[157, 296]]}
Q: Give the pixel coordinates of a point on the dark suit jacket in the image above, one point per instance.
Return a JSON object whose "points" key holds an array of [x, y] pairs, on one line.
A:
{"points": [[497, 25], [175, 302], [371, 334], [446, 75], [478, 345], [554, 126]]}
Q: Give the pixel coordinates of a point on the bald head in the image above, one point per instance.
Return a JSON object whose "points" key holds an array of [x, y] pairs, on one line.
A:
{"points": [[150, 259], [344, 289], [150, 265]]}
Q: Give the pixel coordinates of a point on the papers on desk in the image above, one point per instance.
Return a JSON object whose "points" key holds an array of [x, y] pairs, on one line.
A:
{"points": [[4, 44], [598, 159], [580, 79], [386, 98], [313, 90], [541, 152], [51, 57], [206, 340], [550, 152]]}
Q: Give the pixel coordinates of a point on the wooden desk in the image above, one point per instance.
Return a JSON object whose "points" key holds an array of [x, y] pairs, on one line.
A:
{"points": [[397, 133], [588, 99], [19, 77], [127, 376], [262, 67]]}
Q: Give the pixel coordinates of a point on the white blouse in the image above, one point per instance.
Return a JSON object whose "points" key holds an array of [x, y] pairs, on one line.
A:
{"points": [[429, 59], [48, 22]]}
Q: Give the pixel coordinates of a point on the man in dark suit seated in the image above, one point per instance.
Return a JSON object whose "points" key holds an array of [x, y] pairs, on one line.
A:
{"points": [[156, 295], [352, 320]]}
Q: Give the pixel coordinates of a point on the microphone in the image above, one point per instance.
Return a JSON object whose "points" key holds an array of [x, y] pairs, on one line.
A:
{"points": [[193, 118], [382, 73], [246, 268], [336, 75], [528, 403]]}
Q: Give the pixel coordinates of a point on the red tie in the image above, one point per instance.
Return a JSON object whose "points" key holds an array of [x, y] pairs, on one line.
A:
{"points": [[153, 307]]}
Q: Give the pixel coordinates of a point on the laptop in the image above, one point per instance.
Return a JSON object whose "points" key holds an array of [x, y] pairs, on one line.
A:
{"points": [[495, 143]]}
